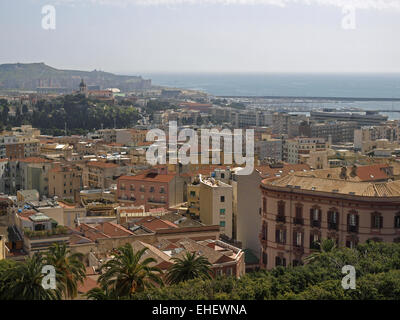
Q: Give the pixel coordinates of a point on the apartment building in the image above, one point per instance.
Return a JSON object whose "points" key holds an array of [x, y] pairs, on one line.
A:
{"points": [[65, 181], [300, 209], [368, 134], [294, 149], [337, 131], [246, 209], [101, 175], [269, 148], [20, 143], [216, 205], [155, 188]]}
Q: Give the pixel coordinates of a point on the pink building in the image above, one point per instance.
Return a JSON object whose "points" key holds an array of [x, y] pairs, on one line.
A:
{"points": [[153, 189]]}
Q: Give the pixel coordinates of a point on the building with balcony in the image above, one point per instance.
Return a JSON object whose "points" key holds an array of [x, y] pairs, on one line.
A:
{"points": [[300, 209], [155, 188]]}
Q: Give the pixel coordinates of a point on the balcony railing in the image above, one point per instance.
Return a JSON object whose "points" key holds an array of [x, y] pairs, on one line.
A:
{"points": [[332, 226], [280, 218], [352, 228], [316, 223], [156, 201], [298, 221]]}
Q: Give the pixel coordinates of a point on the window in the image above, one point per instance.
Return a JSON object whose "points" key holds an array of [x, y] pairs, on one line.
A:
{"points": [[280, 236], [397, 221], [221, 211], [132, 187], [297, 239], [229, 271], [151, 189], [222, 175], [351, 243], [279, 261], [192, 193], [264, 232], [264, 204], [333, 219], [218, 272], [162, 190], [222, 198], [281, 208], [352, 222], [314, 241], [222, 224], [376, 220]]}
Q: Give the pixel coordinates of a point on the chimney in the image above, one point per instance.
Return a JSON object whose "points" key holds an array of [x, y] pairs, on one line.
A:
{"points": [[343, 173], [353, 172]]}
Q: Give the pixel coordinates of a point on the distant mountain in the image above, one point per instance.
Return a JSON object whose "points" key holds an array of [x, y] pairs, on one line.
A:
{"points": [[31, 76]]}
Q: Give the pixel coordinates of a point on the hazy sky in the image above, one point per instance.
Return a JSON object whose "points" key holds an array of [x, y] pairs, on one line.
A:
{"points": [[136, 36]]}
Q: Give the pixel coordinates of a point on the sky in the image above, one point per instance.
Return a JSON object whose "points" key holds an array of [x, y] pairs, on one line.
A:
{"points": [[148, 36]]}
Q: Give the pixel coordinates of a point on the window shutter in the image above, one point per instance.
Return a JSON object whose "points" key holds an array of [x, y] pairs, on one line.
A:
{"points": [[357, 220], [294, 238], [372, 221], [284, 237], [277, 236], [330, 216], [381, 222], [311, 215], [348, 219], [284, 262]]}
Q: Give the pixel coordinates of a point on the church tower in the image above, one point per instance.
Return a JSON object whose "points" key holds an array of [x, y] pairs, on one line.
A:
{"points": [[83, 88]]}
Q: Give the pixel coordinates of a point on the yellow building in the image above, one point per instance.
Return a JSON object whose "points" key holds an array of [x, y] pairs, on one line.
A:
{"points": [[216, 205]]}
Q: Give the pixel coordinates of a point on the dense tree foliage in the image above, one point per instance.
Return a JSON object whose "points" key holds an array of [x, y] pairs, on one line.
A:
{"points": [[78, 113], [377, 267]]}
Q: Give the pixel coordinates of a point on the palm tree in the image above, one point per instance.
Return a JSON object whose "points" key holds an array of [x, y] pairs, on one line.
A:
{"points": [[189, 267], [25, 281], [125, 274], [325, 246], [69, 269], [101, 294]]}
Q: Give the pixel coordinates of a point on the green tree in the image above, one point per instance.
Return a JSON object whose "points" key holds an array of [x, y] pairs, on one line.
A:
{"points": [[189, 267], [325, 246], [69, 269], [24, 281], [126, 274]]}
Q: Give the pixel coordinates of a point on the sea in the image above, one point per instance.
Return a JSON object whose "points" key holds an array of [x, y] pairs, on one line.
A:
{"points": [[336, 85]]}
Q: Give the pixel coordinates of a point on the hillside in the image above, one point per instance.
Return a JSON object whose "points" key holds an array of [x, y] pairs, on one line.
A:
{"points": [[33, 75]]}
